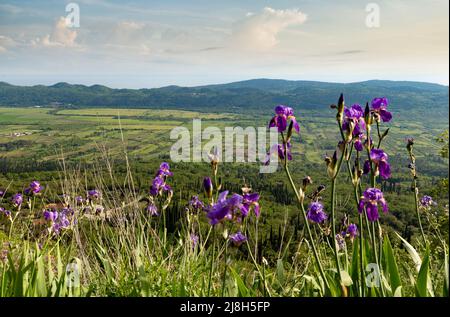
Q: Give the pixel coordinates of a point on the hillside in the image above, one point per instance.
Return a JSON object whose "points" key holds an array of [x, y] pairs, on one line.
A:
{"points": [[256, 94]]}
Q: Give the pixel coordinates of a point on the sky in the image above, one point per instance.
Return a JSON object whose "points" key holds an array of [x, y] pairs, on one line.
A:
{"points": [[145, 44]]}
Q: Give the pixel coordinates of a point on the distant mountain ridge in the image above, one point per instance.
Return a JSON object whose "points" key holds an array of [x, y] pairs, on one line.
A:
{"points": [[254, 94]]}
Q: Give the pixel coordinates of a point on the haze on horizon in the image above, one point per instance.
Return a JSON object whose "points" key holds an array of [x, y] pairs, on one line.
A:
{"points": [[145, 44]]}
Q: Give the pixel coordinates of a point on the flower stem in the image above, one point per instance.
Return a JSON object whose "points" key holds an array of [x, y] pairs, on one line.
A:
{"points": [[225, 270], [333, 226], [212, 261], [416, 200], [308, 229]]}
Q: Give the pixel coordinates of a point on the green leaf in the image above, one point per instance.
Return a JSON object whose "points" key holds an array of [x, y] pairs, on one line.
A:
{"points": [[243, 290], [412, 253], [392, 267], [422, 278], [417, 261], [280, 272]]}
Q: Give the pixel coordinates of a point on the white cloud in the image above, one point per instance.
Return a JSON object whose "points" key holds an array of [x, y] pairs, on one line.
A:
{"points": [[259, 31], [61, 36], [5, 43]]}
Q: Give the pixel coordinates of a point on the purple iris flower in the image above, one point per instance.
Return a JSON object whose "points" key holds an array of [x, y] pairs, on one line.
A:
{"points": [[62, 223], [249, 201], [370, 200], [279, 148], [159, 182], [354, 120], [352, 230], [164, 170], [380, 159], [156, 186], [94, 194], [358, 145], [35, 187], [427, 201], [282, 152], [50, 215], [196, 203], [224, 207], [316, 213], [59, 220], [79, 199], [5, 212], [280, 120], [2, 193], [159, 186], [208, 186], [379, 105], [238, 238], [17, 200], [152, 209]]}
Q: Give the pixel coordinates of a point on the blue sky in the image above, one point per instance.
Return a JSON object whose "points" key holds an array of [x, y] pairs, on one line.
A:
{"points": [[137, 44]]}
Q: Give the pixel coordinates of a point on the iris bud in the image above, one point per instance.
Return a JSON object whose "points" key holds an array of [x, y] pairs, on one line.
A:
{"points": [[331, 165], [368, 117], [306, 181], [340, 108], [208, 186]]}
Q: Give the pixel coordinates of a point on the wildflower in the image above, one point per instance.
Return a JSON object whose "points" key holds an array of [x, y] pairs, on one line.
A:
{"points": [[238, 238], [281, 152], [358, 145], [379, 106], [5, 212], [340, 241], [280, 120], [94, 194], [159, 186], [59, 220], [62, 223], [194, 240], [35, 188], [316, 213], [370, 200], [208, 186], [17, 200], [196, 203], [353, 122], [380, 159], [352, 231], [79, 199], [2, 193], [159, 182], [152, 209], [426, 202], [51, 215], [224, 208], [164, 170], [249, 201], [214, 158], [285, 151]]}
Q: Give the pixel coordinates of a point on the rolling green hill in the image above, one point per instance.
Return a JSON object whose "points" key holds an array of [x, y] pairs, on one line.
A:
{"points": [[256, 94]]}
